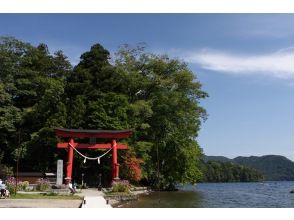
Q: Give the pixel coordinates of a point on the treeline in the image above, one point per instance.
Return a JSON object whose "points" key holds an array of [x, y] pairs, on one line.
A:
{"points": [[155, 95], [272, 167], [216, 171]]}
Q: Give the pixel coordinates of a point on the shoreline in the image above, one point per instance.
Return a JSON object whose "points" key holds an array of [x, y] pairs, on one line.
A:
{"points": [[117, 203]]}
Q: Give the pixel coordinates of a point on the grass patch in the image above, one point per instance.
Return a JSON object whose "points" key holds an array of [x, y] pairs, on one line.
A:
{"points": [[45, 196]]}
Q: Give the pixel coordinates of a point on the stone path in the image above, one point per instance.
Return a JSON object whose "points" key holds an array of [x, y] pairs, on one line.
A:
{"points": [[93, 199]]}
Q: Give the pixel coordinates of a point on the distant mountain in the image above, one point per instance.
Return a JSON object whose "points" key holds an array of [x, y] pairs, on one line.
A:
{"points": [[217, 158], [218, 171], [273, 167]]}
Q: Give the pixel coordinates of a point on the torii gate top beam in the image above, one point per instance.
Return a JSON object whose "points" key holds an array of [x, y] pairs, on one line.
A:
{"points": [[81, 133]]}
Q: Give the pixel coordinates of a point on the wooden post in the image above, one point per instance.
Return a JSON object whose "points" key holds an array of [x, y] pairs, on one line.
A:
{"points": [[69, 161]]}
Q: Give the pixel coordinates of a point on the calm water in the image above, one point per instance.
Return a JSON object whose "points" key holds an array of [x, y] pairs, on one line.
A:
{"points": [[221, 195]]}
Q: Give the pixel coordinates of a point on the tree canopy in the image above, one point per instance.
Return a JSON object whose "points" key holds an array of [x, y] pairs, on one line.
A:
{"points": [[155, 95]]}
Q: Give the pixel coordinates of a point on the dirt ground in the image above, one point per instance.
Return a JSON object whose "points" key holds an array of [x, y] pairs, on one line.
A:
{"points": [[39, 203]]}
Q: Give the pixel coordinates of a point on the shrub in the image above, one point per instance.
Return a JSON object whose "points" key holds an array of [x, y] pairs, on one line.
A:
{"points": [[11, 184], [120, 186], [23, 185], [42, 184], [133, 167]]}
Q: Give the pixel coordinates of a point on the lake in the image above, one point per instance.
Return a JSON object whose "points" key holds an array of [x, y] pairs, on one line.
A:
{"points": [[221, 195]]}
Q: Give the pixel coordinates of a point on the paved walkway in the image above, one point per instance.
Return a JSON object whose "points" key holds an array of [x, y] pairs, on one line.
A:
{"points": [[39, 203], [93, 199]]}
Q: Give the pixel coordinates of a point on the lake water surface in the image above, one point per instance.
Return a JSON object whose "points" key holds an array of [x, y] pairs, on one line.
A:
{"points": [[221, 195]]}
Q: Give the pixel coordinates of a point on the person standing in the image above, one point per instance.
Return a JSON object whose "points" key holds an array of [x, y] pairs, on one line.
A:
{"points": [[2, 189]]}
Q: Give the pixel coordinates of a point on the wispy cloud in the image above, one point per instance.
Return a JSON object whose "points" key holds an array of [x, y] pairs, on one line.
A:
{"points": [[279, 64]]}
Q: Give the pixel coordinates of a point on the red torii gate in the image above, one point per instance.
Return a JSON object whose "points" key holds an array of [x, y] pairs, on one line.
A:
{"points": [[105, 134]]}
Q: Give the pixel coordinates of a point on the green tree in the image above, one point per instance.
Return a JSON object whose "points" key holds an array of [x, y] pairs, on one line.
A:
{"points": [[32, 87], [170, 93], [91, 90]]}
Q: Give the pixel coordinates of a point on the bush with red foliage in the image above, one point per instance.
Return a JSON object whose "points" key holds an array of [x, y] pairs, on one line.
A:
{"points": [[133, 166]]}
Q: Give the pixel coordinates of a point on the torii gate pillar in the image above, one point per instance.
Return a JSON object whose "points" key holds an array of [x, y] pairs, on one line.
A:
{"points": [[69, 161], [115, 165]]}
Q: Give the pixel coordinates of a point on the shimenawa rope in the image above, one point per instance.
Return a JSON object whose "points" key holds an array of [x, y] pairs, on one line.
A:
{"points": [[90, 158]]}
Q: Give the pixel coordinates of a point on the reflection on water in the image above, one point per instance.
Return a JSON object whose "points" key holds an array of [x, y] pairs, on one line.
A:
{"points": [[180, 199], [221, 195]]}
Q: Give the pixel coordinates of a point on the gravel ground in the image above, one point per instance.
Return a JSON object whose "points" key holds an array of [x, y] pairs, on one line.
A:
{"points": [[39, 203]]}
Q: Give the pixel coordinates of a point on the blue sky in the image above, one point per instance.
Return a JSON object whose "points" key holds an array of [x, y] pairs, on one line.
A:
{"points": [[244, 61]]}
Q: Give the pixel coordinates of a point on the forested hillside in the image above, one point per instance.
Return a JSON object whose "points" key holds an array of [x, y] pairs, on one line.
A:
{"points": [[272, 167], [216, 158], [216, 171], [155, 95]]}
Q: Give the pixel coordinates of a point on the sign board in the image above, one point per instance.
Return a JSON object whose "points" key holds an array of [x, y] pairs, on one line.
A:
{"points": [[59, 175]]}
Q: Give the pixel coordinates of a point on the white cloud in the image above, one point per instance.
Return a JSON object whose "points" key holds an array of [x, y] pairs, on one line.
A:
{"points": [[279, 64]]}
